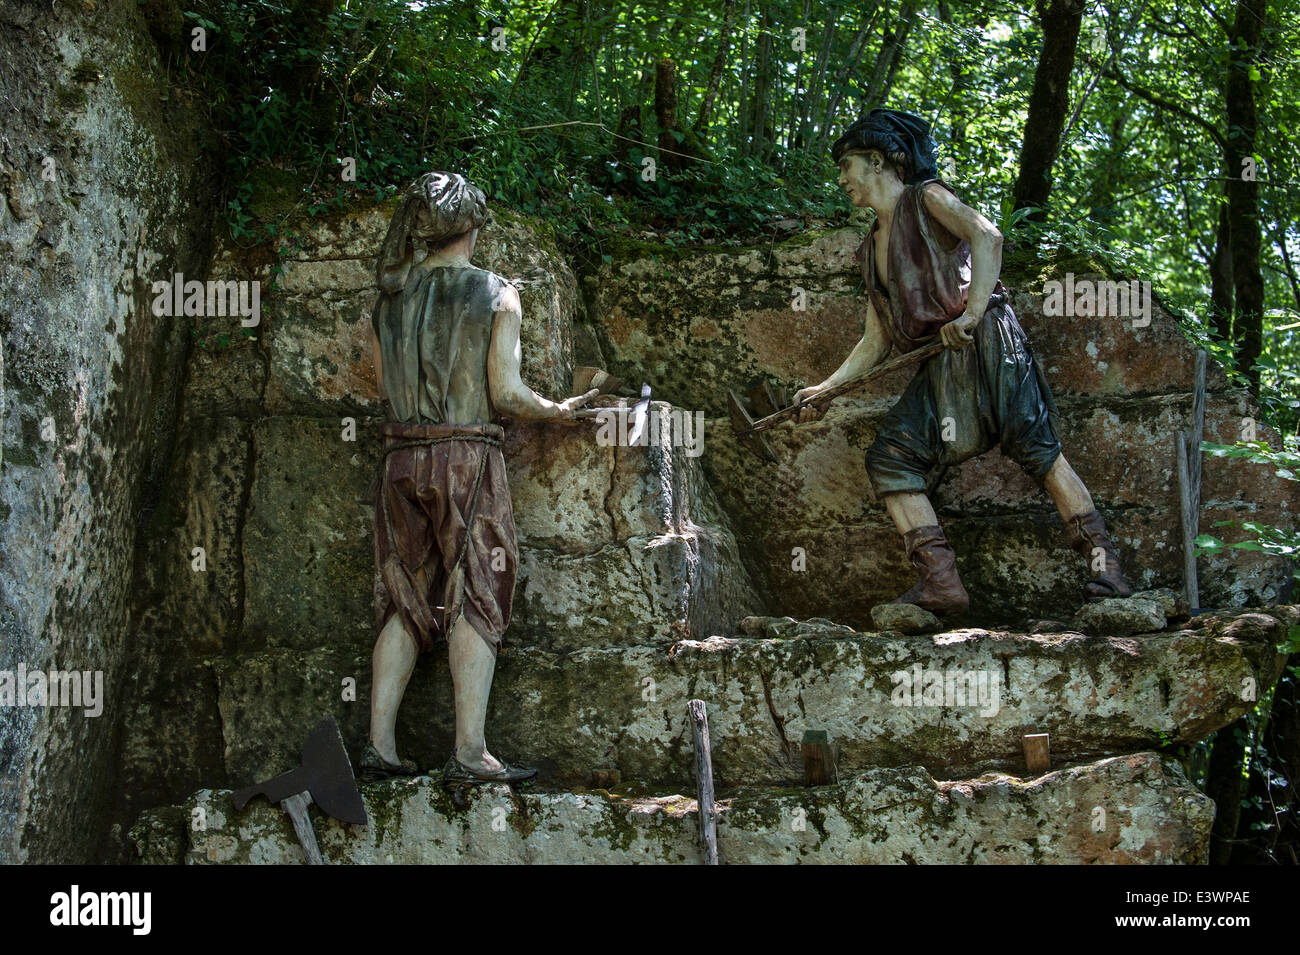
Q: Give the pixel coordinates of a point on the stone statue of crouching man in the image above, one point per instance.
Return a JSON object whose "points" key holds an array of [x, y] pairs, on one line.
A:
{"points": [[447, 363], [930, 266]]}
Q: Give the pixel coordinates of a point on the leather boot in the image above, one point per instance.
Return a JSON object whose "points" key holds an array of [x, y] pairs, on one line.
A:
{"points": [[1087, 534], [938, 588]]}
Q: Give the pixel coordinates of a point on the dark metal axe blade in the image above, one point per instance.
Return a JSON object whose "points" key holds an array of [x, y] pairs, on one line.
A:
{"points": [[325, 778]]}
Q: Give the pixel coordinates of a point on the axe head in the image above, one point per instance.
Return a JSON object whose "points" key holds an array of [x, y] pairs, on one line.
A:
{"points": [[742, 423], [331, 783], [325, 774]]}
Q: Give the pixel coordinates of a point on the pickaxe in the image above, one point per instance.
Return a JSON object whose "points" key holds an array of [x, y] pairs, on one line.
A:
{"points": [[325, 778], [749, 430]]}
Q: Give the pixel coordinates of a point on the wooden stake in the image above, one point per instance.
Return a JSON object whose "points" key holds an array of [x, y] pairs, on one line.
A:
{"points": [[1198, 428], [704, 781], [1187, 513], [1194, 474], [818, 758], [1038, 752]]}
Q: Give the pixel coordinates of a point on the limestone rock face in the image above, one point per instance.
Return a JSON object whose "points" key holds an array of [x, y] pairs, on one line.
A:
{"points": [[877, 697], [956, 702], [1133, 809], [648, 573], [621, 545], [104, 189]]}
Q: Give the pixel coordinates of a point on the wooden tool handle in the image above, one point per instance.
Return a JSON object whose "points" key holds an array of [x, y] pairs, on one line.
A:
{"points": [[920, 354], [296, 807]]}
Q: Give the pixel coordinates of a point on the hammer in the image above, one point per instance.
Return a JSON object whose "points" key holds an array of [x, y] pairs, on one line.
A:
{"points": [[325, 778]]}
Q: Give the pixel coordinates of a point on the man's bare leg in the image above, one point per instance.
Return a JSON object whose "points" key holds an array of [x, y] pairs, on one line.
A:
{"points": [[472, 666], [910, 511], [1068, 492], [1087, 532], [392, 665]]}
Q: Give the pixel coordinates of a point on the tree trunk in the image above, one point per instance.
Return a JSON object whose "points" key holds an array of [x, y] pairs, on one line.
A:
{"points": [[1243, 193], [956, 69], [1221, 279], [804, 138], [846, 70], [906, 16], [666, 114], [1224, 784], [715, 74], [887, 59], [1048, 103], [1268, 827], [1288, 266]]}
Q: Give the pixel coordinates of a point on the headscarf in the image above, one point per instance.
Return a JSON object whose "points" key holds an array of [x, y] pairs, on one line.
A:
{"points": [[893, 131], [452, 206]]}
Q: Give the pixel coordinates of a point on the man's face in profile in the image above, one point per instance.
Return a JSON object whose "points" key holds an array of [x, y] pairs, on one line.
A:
{"points": [[856, 176]]}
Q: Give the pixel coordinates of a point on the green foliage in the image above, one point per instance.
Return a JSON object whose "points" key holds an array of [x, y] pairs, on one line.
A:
{"points": [[1281, 542]]}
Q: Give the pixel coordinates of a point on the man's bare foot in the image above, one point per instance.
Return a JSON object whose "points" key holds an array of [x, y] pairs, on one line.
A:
{"points": [[458, 773], [375, 766], [480, 762]]}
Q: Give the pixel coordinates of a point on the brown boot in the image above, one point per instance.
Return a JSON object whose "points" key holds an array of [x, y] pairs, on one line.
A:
{"points": [[938, 588], [1089, 539]]}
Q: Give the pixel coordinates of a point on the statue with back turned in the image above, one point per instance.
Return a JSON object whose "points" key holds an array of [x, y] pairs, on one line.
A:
{"points": [[447, 361]]}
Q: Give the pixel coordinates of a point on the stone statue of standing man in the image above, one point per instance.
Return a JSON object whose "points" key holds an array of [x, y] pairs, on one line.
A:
{"points": [[930, 265], [447, 356]]}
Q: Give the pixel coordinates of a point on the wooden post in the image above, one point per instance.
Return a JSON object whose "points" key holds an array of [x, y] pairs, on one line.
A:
{"points": [[1194, 475], [1038, 752], [818, 758], [704, 781], [1187, 512], [1198, 428]]}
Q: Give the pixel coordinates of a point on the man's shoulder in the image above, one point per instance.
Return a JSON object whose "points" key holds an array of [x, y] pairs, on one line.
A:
{"points": [[490, 278], [934, 189]]}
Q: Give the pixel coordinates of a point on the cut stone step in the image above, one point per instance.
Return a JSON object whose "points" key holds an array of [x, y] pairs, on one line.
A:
{"points": [[1129, 809], [624, 709]]}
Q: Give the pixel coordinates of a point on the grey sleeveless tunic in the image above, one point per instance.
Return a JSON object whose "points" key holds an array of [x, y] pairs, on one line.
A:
{"points": [[433, 338]]}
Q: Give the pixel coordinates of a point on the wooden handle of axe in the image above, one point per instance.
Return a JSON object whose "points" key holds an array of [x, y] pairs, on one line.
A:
{"points": [[920, 354]]}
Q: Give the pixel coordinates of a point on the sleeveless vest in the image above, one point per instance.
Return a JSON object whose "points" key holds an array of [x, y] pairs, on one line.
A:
{"points": [[929, 272], [434, 337]]}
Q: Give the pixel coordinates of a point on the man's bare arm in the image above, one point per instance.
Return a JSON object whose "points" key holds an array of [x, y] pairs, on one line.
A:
{"points": [[870, 350], [510, 396], [985, 256]]}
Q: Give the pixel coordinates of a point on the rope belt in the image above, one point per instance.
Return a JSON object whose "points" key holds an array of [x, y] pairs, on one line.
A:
{"points": [[424, 442]]}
